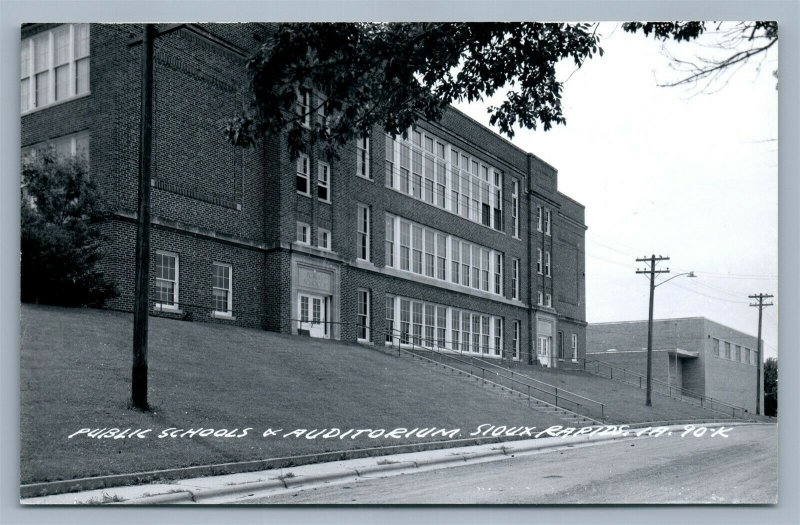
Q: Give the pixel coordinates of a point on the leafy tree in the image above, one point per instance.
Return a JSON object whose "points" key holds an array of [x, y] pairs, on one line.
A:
{"points": [[771, 387], [60, 245], [391, 74], [732, 46]]}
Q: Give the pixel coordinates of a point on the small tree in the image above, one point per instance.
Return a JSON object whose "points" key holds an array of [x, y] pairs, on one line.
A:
{"points": [[60, 242], [771, 387]]}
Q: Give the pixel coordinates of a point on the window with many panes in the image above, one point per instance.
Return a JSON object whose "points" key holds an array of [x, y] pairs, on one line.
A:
{"points": [[431, 253], [429, 169], [547, 264], [54, 66], [363, 315], [222, 289], [166, 292], [515, 344], [324, 181], [303, 170], [547, 221], [362, 159], [363, 233], [539, 261]]}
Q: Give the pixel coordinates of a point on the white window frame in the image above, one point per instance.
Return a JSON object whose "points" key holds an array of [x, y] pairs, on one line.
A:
{"points": [[539, 212], [547, 264], [548, 216], [324, 180], [303, 235], [515, 278], [540, 298], [74, 143], [28, 74], [365, 294], [228, 312], [548, 300], [539, 261], [363, 157], [515, 208], [303, 106], [322, 235], [574, 348], [303, 170], [176, 294], [364, 233], [515, 341]]}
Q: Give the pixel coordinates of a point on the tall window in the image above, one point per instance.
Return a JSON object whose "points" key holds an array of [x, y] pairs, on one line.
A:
{"points": [[547, 264], [304, 106], [727, 350], [363, 233], [303, 170], [515, 278], [222, 289], [323, 181], [515, 208], [515, 340], [540, 298], [166, 293], [539, 261], [363, 315], [498, 335], [574, 347], [498, 273], [390, 328], [539, 218], [362, 161], [54, 66], [715, 347], [547, 221], [548, 300], [389, 257], [737, 353], [389, 160]]}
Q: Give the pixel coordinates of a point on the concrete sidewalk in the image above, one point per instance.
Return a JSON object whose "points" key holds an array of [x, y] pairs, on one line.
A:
{"points": [[234, 487]]}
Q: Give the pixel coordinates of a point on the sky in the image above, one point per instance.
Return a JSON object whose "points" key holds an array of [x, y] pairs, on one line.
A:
{"points": [[669, 171]]}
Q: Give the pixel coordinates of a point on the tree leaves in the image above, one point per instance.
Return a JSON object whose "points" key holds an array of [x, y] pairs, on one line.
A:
{"points": [[391, 74]]}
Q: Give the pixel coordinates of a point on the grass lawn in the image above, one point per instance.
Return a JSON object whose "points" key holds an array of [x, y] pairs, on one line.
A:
{"points": [[75, 373]]}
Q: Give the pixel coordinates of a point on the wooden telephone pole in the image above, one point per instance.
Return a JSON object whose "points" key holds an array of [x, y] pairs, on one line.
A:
{"points": [[760, 305], [142, 283], [652, 260]]}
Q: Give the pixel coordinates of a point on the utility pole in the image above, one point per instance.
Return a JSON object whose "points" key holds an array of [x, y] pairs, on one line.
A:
{"points": [[652, 260], [760, 305], [142, 283]]}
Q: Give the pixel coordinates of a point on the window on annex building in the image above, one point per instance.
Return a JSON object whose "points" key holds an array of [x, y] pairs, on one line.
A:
{"points": [[74, 145], [222, 289], [167, 272], [715, 346], [54, 66]]}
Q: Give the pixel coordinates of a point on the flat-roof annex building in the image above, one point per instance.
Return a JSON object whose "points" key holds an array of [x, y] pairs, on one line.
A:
{"points": [[451, 238], [693, 353]]}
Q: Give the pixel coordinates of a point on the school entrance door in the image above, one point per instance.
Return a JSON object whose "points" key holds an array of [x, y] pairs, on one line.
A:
{"points": [[313, 315]]}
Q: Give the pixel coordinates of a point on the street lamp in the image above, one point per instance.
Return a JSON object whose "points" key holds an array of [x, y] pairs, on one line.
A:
{"points": [[652, 260]]}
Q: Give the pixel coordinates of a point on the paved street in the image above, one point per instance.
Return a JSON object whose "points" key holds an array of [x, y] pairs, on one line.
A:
{"points": [[739, 469]]}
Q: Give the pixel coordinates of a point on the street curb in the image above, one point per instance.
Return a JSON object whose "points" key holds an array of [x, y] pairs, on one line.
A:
{"points": [[506, 448], [454, 458]]}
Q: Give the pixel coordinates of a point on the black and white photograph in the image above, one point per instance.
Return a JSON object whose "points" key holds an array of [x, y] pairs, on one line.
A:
{"points": [[424, 263]]}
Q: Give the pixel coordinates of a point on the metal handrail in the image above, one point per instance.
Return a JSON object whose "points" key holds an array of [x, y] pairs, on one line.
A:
{"points": [[557, 394], [704, 401]]}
